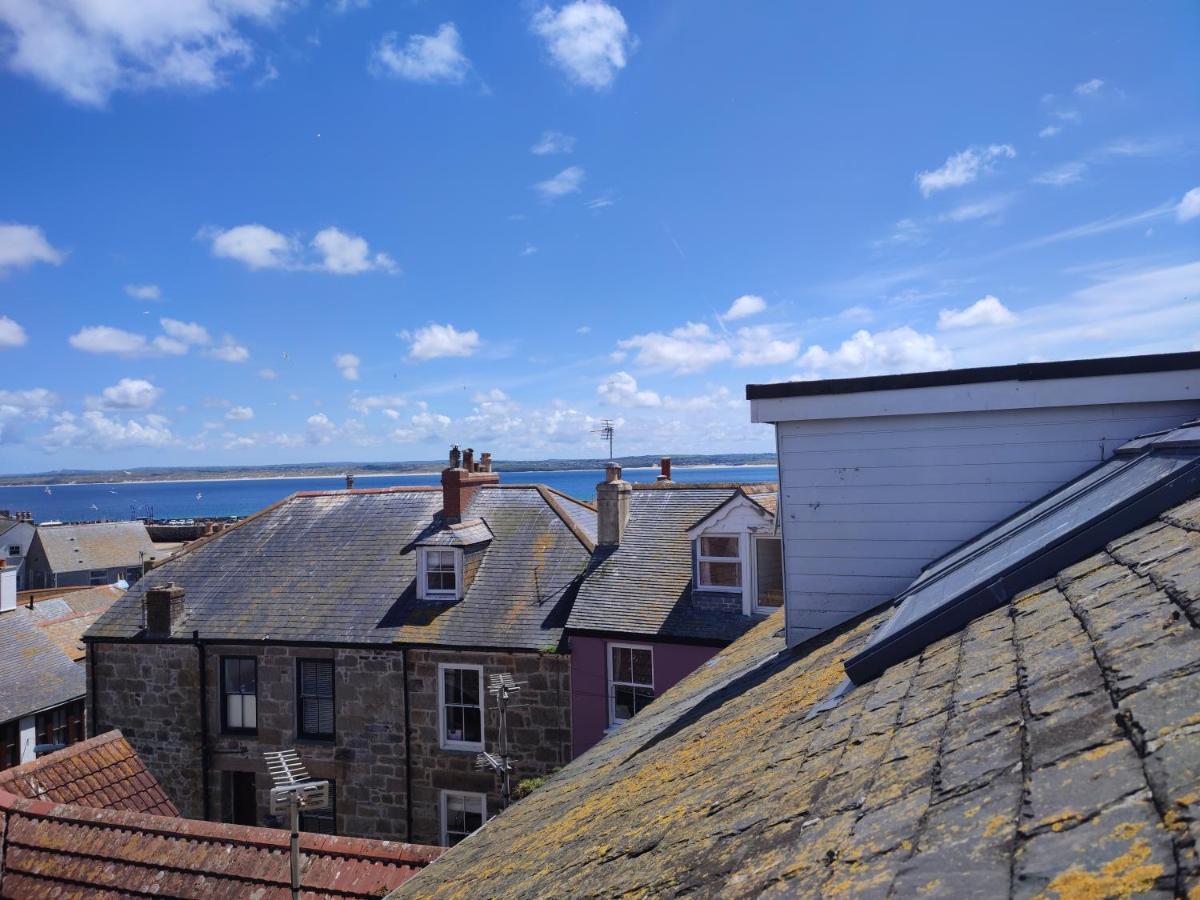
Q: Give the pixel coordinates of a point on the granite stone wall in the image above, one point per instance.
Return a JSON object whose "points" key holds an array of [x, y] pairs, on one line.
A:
{"points": [[152, 693]]}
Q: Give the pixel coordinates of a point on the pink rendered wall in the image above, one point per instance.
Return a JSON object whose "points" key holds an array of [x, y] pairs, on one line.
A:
{"points": [[589, 680]]}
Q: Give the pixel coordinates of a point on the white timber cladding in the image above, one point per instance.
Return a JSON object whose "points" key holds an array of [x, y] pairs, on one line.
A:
{"points": [[742, 519], [867, 501]]}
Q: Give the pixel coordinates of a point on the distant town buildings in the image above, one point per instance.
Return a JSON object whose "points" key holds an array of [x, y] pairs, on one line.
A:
{"points": [[91, 554]]}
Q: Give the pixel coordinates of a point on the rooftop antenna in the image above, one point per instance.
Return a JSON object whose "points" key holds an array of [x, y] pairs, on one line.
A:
{"points": [[605, 431], [294, 790], [502, 687]]}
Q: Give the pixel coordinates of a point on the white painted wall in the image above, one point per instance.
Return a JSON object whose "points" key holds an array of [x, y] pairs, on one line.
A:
{"points": [[28, 726], [867, 501]]}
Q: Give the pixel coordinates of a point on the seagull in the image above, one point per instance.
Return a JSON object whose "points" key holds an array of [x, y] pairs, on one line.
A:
{"points": [[47, 489], [199, 496], [95, 507]]}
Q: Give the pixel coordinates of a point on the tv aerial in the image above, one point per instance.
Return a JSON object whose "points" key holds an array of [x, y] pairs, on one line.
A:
{"points": [[606, 431]]}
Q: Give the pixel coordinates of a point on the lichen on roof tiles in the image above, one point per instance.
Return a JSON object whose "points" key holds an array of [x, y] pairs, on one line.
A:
{"points": [[1050, 748]]}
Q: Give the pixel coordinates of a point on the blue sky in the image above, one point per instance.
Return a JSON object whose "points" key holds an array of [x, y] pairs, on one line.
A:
{"points": [[252, 231]]}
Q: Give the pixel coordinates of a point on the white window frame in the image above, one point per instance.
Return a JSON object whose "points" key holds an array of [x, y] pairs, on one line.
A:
{"points": [[444, 742], [443, 796], [754, 607], [613, 721], [423, 591], [738, 560]]}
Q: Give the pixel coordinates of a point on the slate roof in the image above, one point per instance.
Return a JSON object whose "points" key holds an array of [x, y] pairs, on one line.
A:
{"points": [[644, 586], [462, 534], [340, 566], [103, 772], [64, 619], [66, 850], [100, 545], [35, 674], [1049, 748]]}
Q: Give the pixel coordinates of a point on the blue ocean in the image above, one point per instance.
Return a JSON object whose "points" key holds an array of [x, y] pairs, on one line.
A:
{"points": [[241, 497]]}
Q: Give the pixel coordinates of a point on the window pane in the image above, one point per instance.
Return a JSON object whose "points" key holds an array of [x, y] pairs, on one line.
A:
{"points": [[622, 667], [233, 711], [471, 724], [249, 711], [719, 546], [720, 574], [642, 666], [768, 556]]}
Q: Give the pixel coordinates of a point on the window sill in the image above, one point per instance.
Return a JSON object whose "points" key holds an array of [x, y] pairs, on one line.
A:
{"points": [[239, 732], [461, 748], [316, 739], [713, 589]]}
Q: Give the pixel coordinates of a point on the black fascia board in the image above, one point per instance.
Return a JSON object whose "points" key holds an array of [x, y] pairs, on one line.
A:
{"points": [[1091, 537], [1043, 371]]}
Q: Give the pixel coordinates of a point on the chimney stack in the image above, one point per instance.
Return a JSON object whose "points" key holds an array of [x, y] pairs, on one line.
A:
{"points": [[664, 465], [8, 587], [613, 499], [459, 483], [349, 481], [164, 609], [485, 462]]}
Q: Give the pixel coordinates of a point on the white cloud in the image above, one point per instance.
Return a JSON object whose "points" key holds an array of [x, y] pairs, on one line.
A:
{"points": [[333, 250], [985, 311], [601, 202], [240, 414], [143, 291], [568, 181], [866, 353], [87, 50], [229, 350], [1188, 209], [93, 430], [989, 207], [689, 348], [587, 39], [24, 245], [128, 393], [856, 314], [1059, 176], [268, 374], [553, 142], [364, 403], [906, 231], [963, 167], [528, 250], [11, 334], [320, 429], [348, 254], [1049, 131], [423, 57], [1089, 87], [621, 389], [745, 306], [105, 339], [761, 346], [584, 329], [348, 364], [191, 333], [32, 403], [254, 245], [434, 341]]}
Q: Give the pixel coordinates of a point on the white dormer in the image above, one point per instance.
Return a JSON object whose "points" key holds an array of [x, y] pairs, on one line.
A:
{"points": [[439, 573], [735, 550]]}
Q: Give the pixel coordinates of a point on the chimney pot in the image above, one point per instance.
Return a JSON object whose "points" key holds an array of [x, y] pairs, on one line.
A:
{"points": [[664, 465], [455, 457], [468, 460], [349, 481], [485, 462], [164, 608], [612, 472]]}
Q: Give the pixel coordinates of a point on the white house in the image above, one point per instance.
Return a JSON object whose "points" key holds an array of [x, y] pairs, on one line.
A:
{"points": [[879, 476]]}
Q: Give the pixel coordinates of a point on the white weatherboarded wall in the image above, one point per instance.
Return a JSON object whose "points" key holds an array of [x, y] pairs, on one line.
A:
{"points": [[867, 500]]}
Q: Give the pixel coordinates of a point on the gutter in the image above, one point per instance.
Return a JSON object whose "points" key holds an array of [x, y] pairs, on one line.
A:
{"points": [[91, 705], [204, 749]]}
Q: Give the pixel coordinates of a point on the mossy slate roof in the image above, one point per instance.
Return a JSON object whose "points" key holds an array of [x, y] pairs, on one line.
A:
{"points": [[644, 586], [1050, 748], [340, 567]]}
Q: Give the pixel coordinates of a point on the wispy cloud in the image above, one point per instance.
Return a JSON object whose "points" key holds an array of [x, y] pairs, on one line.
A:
{"points": [[553, 142], [568, 181], [963, 167], [427, 58]]}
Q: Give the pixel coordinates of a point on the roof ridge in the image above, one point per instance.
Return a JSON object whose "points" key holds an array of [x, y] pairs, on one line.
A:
{"points": [[588, 544]]}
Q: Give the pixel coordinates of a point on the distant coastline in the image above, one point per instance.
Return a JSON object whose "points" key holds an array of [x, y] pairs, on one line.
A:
{"points": [[185, 475]]}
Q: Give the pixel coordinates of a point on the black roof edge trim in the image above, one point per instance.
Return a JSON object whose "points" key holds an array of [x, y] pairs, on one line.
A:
{"points": [[1072, 548], [1044, 371], [644, 638]]}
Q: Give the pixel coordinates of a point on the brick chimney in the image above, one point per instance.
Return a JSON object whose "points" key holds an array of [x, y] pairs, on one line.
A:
{"points": [[664, 465], [613, 499], [8, 587], [459, 483], [164, 609], [349, 481]]}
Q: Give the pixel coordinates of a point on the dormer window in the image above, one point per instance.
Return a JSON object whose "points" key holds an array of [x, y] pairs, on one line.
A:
{"points": [[440, 575], [719, 562]]}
